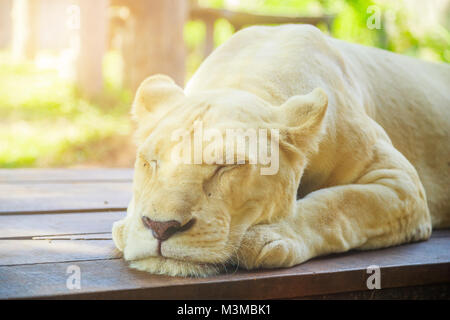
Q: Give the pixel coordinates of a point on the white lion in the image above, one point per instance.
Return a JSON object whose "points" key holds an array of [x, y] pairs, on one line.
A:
{"points": [[364, 155]]}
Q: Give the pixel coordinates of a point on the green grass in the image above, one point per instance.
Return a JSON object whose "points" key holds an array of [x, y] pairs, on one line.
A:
{"points": [[44, 121]]}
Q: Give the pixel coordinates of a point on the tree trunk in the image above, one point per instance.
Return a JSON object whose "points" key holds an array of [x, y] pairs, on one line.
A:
{"points": [[153, 41], [25, 29], [5, 23], [209, 41], [93, 36]]}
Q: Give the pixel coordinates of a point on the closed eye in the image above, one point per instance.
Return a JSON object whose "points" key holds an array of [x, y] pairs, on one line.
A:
{"points": [[218, 172]]}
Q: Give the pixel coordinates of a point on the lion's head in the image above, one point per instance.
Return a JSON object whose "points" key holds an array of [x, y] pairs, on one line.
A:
{"points": [[190, 219]]}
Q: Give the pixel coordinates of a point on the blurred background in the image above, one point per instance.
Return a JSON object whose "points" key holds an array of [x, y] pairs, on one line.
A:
{"points": [[69, 68]]}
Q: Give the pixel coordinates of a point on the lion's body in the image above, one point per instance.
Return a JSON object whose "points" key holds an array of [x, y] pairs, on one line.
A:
{"points": [[409, 98], [355, 160]]}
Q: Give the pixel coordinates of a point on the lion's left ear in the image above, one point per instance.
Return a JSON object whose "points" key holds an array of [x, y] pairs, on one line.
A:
{"points": [[155, 92], [303, 117]]}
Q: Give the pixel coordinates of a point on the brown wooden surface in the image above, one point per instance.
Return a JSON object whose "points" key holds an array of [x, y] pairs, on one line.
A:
{"points": [[408, 265], [19, 252], [65, 175], [26, 226], [37, 248], [67, 197], [435, 292]]}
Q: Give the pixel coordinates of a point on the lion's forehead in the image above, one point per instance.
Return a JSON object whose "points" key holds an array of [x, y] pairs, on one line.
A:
{"points": [[215, 111]]}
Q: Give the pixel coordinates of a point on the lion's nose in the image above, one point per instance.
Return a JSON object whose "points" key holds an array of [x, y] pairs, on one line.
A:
{"points": [[163, 230]]}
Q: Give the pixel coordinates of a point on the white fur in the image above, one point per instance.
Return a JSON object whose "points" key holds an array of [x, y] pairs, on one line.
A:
{"points": [[370, 152]]}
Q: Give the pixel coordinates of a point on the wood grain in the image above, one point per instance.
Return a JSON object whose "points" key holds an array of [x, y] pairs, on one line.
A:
{"points": [[427, 292], [66, 197], [38, 225], [53, 219], [17, 252], [407, 265], [65, 175]]}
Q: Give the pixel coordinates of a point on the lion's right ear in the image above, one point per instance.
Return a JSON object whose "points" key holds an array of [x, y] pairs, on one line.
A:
{"points": [[303, 117], [153, 93]]}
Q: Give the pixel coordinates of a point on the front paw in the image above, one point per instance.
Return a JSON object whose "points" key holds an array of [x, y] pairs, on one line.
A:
{"points": [[264, 246]]}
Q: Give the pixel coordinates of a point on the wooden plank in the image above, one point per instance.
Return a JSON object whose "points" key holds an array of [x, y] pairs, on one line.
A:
{"points": [[65, 175], [407, 265], [428, 292], [39, 225], [241, 19], [64, 197], [81, 236], [19, 252]]}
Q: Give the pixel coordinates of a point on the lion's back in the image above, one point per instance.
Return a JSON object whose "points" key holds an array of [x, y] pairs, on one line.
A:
{"points": [[408, 97]]}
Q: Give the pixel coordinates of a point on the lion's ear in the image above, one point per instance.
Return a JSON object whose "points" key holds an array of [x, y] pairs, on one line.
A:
{"points": [[155, 92], [303, 117]]}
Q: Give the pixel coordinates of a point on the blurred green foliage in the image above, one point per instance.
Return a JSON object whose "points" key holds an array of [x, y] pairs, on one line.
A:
{"points": [[402, 27], [45, 122]]}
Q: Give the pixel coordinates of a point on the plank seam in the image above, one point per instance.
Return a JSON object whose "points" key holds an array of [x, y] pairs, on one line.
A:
{"points": [[88, 210], [55, 262], [63, 181], [42, 237]]}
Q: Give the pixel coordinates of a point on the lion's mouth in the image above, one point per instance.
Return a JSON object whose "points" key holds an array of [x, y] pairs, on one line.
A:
{"points": [[163, 230]]}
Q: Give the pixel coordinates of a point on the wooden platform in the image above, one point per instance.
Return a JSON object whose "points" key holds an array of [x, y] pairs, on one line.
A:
{"points": [[53, 219]]}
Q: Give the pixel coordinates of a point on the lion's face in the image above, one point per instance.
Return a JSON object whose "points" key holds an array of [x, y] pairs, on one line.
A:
{"points": [[188, 218]]}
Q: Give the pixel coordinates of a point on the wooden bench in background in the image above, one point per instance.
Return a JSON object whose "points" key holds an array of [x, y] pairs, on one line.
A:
{"points": [[52, 219]]}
